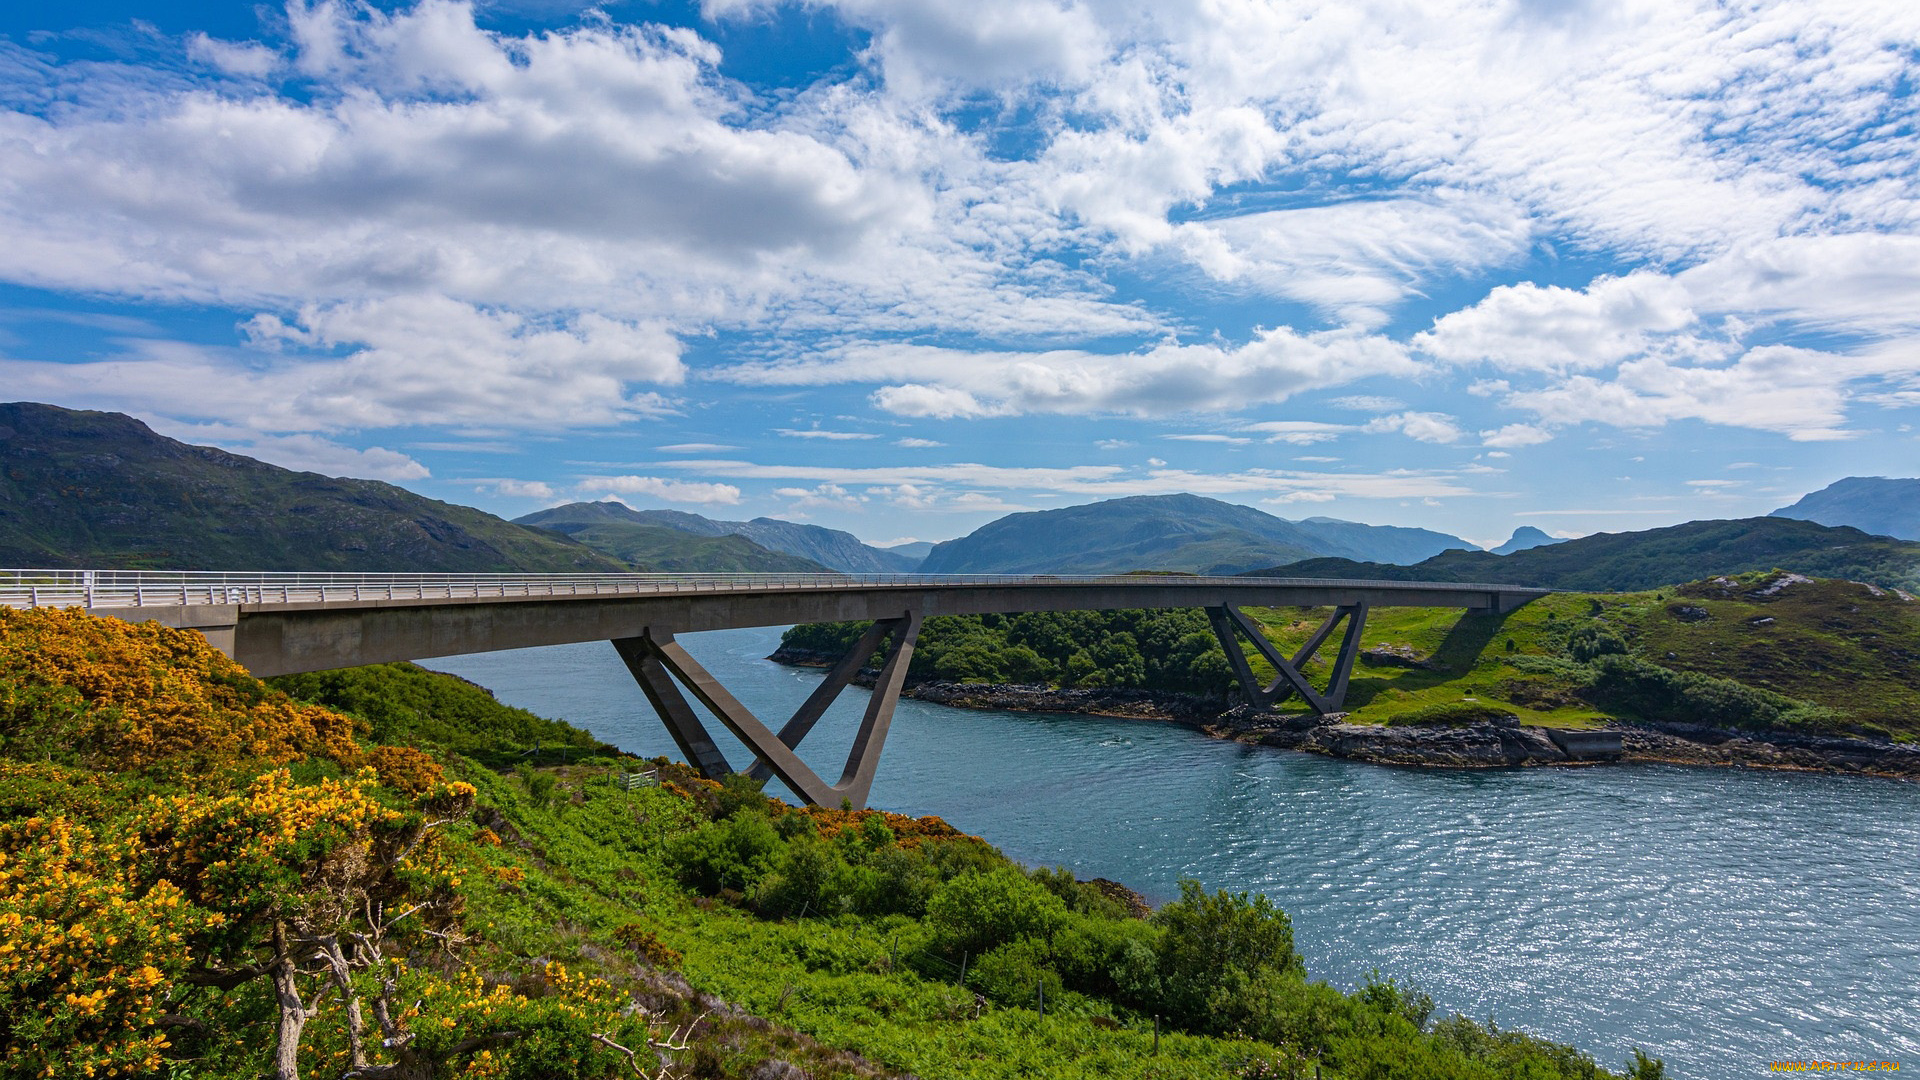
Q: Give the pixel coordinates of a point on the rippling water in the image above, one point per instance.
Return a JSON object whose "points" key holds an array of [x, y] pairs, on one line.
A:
{"points": [[1719, 918]]}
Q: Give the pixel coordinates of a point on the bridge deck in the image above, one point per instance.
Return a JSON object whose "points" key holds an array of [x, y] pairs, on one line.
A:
{"points": [[282, 623]]}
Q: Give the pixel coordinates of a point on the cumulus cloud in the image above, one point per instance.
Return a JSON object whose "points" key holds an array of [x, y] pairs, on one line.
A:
{"points": [[523, 489], [1548, 328], [679, 491], [1427, 427], [1515, 435]]}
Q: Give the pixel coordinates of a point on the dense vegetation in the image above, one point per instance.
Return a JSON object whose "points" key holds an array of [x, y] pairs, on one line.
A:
{"points": [[1656, 558], [1172, 650], [1763, 650], [203, 877], [97, 490]]}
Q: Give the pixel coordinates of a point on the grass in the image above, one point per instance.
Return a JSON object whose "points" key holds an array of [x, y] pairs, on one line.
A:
{"points": [[1849, 647]]}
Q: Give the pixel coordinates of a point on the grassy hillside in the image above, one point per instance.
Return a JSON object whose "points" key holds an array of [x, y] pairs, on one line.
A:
{"points": [[1656, 557], [201, 876], [818, 546], [101, 490], [667, 550], [1167, 532], [1763, 650]]}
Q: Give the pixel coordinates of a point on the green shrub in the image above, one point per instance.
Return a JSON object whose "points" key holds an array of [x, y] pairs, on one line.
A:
{"points": [[974, 913], [1011, 973], [1653, 692], [733, 853], [1213, 947]]}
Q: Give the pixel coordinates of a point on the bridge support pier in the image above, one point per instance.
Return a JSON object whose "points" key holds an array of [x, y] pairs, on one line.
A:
{"points": [[662, 666], [1229, 624]]}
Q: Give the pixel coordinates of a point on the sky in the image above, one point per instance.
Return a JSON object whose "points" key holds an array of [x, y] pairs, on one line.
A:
{"points": [[903, 268]]}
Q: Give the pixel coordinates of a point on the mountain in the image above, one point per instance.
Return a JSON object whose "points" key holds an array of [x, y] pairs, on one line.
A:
{"points": [[1524, 537], [1656, 558], [1168, 532], [829, 548], [1873, 504], [669, 550], [102, 490], [918, 551]]}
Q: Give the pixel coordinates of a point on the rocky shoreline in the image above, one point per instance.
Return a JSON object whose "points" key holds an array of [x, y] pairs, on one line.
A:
{"points": [[1486, 744]]}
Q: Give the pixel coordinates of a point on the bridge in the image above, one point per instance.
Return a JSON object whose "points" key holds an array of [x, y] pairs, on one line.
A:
{"points": [[278, 624]]}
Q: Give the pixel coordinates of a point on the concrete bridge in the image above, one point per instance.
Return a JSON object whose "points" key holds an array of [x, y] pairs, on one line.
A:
{"points": [[277, 624]]}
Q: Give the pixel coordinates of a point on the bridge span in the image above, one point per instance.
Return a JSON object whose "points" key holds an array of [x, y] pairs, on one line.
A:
{"points": [[277, 624]]}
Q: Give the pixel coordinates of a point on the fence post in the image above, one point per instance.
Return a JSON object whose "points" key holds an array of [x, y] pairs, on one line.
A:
{"points": [[1040, 997], [1156, 1033], [963, 969]]}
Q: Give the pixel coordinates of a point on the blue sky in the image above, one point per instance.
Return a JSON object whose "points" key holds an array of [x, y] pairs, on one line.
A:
{"points": [[902, 268]]}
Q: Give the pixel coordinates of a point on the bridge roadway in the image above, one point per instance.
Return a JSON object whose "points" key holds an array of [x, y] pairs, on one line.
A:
{"points": [[277, 624]]}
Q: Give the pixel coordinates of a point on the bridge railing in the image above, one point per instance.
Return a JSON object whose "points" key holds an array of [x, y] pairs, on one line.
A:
{"points": [[168, 588]]}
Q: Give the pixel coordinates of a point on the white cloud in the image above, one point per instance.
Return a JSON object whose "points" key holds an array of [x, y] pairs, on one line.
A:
{"points": [[820, 497], [830, 436], [1515, 435], [1795, 392], [1096, 481], [696, 448], [523, 489], [912, 443], [1429, 427], [1226, 440], [1548, 328], [665, 490], [246, 59], [1301, 432], [1167, 379], [1367, 403]]}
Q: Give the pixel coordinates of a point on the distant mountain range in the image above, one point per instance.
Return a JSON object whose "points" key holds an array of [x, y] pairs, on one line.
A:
{"points": [[606, 528], [1169, 532], [1873, 504], [1657, 557], [1524, 537], [102, 490], [608, 525]]}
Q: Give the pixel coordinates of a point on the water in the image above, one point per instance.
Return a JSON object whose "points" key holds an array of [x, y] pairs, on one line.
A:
{"points": [[1719, 918]]}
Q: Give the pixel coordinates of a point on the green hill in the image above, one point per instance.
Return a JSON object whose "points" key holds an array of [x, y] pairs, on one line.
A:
{"points": [[1874, 504], [102, 490], [668, 550], [1168, 532], [821, 547], [1764, 650], [1656, 557]]}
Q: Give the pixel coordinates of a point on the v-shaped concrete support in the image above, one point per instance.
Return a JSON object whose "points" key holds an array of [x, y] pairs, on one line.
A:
{"points": [[657, 661], [1229, 624]]}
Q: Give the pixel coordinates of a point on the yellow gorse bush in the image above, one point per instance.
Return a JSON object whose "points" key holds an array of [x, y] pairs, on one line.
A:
{"points": [[144, 695]]}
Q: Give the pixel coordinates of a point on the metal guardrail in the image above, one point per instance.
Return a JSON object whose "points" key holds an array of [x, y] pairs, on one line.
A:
{"points": [[170, 588]]}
